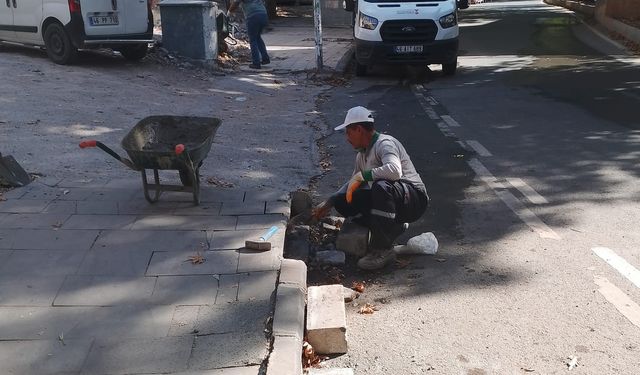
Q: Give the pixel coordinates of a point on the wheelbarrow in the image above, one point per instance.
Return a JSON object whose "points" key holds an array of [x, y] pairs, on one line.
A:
{"points": [[166, 143]]}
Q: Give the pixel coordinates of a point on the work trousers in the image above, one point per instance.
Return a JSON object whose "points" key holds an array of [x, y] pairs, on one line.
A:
{"points": [[384, 209]]}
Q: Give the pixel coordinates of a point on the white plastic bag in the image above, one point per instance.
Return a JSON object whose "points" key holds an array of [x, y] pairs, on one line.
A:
{"points": [[424, 244]]}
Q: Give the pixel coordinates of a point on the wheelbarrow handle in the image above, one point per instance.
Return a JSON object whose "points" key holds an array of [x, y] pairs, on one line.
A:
{"points": [[105, 148]]}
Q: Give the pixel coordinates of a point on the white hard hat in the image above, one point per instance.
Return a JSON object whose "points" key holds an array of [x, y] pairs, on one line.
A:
{"points": [[355, 115]]}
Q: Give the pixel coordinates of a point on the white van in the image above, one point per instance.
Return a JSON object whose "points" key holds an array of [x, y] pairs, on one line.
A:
{"points": [[64, 26], [406, 31]]}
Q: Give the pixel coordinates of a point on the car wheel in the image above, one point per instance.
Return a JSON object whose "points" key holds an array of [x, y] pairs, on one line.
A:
{"points": [[134, 52], [361, 70], [449, 69], [58, 45]]}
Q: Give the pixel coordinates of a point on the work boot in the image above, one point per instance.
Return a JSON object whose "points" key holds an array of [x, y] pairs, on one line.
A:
{"points": [[376, 259]]}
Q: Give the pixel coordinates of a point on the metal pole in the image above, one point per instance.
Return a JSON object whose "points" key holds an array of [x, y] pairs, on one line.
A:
{"points": [[317, 23]]}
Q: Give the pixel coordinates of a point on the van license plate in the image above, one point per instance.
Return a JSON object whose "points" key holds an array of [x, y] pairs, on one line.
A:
{"points": [[407, 49], [103, 20]]}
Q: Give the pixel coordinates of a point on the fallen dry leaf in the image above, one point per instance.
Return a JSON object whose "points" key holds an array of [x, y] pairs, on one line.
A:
{"points": [[441, 260], [57, 225], [196, 259], [358, 287], [402, 263], [218, 182], [368, 309], [309, 356]]}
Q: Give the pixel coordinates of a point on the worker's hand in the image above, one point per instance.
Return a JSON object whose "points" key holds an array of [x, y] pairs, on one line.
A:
{"points": [[322, 210], [354, 184]]}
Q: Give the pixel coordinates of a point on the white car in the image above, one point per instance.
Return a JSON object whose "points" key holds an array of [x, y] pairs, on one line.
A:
{"points": [[64, 26]]}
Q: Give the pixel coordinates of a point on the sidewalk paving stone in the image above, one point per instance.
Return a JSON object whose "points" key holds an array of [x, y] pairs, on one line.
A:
{"points": [[100, 222], [238, 350], [41, 263], [152, 240], [243, 208], [250, 370], [33, 221], [23, 206], [250, 261], [51, 239], [233, 317], [124, 322], [228, 288], [40, 323], [43, 356], [61, 207], [260, 221], [104, 291], [266, 195], [184, 320], [165, 263], [142, 207], [278, 207], [231, 239], [185, 290], [29, 290], [115, 262], [256, 286], [130, 356], [4, 255], [204, 209], [97, 208], [173, 222]]}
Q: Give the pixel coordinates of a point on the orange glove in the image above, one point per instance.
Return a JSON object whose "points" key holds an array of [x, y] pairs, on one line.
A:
{"points": [[354, 184]]}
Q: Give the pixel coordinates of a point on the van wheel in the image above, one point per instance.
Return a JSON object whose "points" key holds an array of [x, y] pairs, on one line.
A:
{"points": [[449, 69], [134, 52], [361, 70], [58, 45]]}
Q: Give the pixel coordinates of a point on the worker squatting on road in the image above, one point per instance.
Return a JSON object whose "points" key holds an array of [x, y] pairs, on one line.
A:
{"points": [[385, 192]]}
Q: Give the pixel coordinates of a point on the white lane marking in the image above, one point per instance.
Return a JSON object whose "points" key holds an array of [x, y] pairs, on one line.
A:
{"points": [[527, 191], [463, 145], [526, 215], [480, 149], [450, 121], [431, 100], [617, 298], [431, 113], [619, 263], [419, 87]]}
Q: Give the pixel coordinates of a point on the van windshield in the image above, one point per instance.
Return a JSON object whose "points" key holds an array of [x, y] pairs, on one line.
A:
{"points": [[406, 1]]}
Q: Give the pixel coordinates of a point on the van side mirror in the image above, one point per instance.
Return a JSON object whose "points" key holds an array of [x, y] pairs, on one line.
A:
{"points": [[350, 5], [462, 4]]}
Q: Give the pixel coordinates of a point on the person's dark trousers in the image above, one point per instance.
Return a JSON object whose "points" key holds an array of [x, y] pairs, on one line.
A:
{"points": [[256, 22], [384, 209]]}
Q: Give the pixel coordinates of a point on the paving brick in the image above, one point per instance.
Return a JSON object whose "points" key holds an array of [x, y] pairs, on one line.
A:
{"points": [[115, 262], [61, 207], [326, 319], [50, 239], [266, 195], [123, 322], [184, 320], [250, 260], [260, 221], [100, 222], [41, 263], [228, 288], [353, 239], [209, 194], [172, 222], [153, 355], [256, 286], [239, 349], [142, 207], [33, 221], [232, 239], [285, 356], [97, 208], [40, 323], [204, 209], [233, 317], [176, 263], [29, 290], [104, 291], [152, 240], [243, 208], [288, 319], [278, 207], [293, 273], [43, 356], [23, 206], [185, 290]]}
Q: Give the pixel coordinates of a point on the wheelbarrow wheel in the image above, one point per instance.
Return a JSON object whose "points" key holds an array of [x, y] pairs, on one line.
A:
{"points": [[185, 177]]}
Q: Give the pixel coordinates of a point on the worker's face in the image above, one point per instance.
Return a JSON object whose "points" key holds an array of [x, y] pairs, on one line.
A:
{"points": [[356, 136]]}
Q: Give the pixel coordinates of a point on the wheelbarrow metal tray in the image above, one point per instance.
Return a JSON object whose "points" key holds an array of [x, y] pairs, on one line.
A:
{"points": [[151, 143]]}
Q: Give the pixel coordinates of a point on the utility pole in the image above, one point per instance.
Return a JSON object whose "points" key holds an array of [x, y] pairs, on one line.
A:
{"points": [[317, 23]]}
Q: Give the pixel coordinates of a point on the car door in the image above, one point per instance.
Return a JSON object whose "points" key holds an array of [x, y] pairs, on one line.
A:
{"points": [[137, 16], [6, 20], [27, 17], [103, 17]]}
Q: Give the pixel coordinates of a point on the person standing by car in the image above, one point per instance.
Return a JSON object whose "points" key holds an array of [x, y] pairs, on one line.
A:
{"points": [[255, 15]]}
